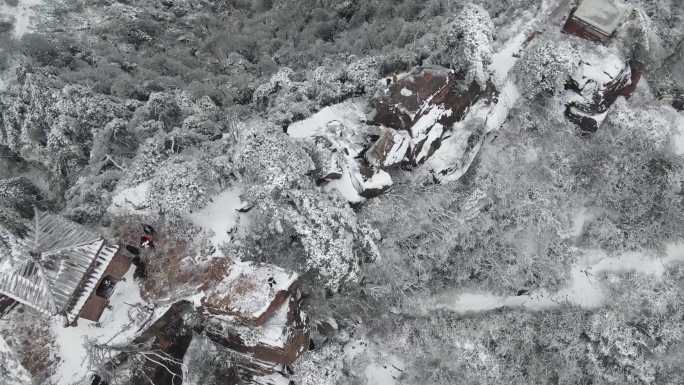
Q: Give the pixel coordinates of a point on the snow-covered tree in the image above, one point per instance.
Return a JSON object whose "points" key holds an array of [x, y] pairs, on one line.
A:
{"points": [[322, 366], [266, 156], [334, 242], [545, 67], [19, 194], [468, 43]]}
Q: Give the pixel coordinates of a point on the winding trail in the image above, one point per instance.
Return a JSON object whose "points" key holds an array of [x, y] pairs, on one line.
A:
{"points": [[586, 288]]}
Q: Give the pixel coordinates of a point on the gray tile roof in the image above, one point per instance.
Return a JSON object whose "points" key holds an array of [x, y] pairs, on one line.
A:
{"points": [[60, 268], [604, 15]]}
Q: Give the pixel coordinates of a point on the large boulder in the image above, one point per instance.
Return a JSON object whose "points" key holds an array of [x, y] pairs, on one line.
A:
{"points": [[427, 107], [595, 86]]}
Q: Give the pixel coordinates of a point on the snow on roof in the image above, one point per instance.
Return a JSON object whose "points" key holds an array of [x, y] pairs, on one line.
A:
{"points": [[605, 15], [246, 291], [60, 268], [118, 326]]}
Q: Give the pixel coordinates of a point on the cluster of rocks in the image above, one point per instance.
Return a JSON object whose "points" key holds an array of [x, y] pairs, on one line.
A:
{"points": [[591, 90], [430, 118]]}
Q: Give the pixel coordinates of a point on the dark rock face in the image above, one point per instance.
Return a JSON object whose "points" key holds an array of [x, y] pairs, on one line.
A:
{"points": [[678, 103], [7, 304], [398, 108], [408, 99], [425, 106], [591, 98]]}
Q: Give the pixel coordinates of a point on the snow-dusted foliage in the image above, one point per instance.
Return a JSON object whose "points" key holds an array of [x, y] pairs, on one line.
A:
{"points": [[334, 242], [19, 194], [11, 371], [267, 156], [182, 185], [363, 73], [545, 67], [467, 40], [31, 343], [289, 96], [320, 367]]}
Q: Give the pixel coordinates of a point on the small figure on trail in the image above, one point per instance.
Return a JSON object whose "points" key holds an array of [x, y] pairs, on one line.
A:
{"points": [[146, 242]]}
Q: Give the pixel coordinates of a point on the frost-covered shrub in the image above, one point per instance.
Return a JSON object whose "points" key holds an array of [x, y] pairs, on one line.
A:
{"points": [[363, 73], [267, 156], [467, 43], [290, 96], [335, 243], [545, 67], [87, 199], [319, 367], [182, 185], [31, 339], [19, 194], [629, 170], [164, 108]]}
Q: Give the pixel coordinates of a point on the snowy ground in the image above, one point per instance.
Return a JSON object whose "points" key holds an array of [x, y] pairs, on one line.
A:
{"points": [[587, 287], [128, 316], [220, 218], [342, 124], [678, 135], [381, 368]]}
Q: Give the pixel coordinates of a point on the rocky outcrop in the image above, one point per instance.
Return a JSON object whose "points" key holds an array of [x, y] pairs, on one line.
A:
{"points": [[426, 104], [414, 116], [595, 86], [254, 311]]}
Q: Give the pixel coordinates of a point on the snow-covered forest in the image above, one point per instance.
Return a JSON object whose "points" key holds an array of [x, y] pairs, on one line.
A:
{"points": [[361, 192]]}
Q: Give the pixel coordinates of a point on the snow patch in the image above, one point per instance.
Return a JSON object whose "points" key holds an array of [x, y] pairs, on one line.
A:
{"points": [[220, 217], [273, 331], [349, 113], [129, 314], [508, 95], [505, 59], [406, 92], [386, 372], [131, 200], [345, 187]]}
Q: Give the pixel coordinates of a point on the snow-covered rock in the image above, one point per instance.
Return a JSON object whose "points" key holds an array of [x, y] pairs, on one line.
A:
{"points": [[249, 292], [255, 312], [431, 119], [390, 148], [601, 77], [339, 135]]}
